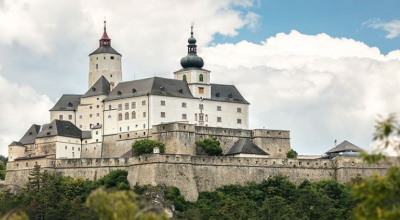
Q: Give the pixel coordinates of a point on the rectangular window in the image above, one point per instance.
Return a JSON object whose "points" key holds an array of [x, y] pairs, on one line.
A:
{"points": [[219, 119], [90, 115], [239, 110], [184, 105], [109, 107], [69, 117], [126, 106], [201, 106], [80, 116], [184, 116], [91, 126], [61, 117], [72, 148], [162, 114], [98, 114], [218, 108], [133, 105], [144, 125], [66, 147], [97, 132], [201, 90], [239, 121], [90, 107], [112, 57], [144, 102], [127, 128], [119, 107], [98, 106], [144, 114], [162, 103], [79, 149], [80, 126]]}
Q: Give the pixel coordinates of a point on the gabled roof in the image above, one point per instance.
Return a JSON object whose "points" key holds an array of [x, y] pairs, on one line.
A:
{"points": [[30, 135], [101, 87], [16, 143], [345, 146], [226, 93], [245, 146], [152, 86], [67, 103], [105, 49], [60, 128]]}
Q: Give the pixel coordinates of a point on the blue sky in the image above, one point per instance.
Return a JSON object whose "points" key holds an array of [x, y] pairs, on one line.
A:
{"points": [[335, 18]]}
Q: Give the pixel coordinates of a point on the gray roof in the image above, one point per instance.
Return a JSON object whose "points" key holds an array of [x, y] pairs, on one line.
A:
{"points": [[97, 127], [226, 93], [128, 154], [101, 87], [16, 143], [345, 146], [30, 135], [191, 68], [86, 134], [152, 86], [105, 49], [60, 128], [245, 146], [67, 103]]}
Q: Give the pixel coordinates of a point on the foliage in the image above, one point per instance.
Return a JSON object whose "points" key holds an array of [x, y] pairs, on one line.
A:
{"points": [[2, 170], [120, 205], [210, 146], [275, 198], [291, 154], [378, 196], [145, 146]]}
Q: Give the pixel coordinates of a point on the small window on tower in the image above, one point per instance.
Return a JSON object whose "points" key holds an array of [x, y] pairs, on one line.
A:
{"points": [[184, 116], [61, 117], [201, 90], [218, 108], [69, 117], [219, 119], [162, 114], [104, 57], [162, 102], [97, 58], [97, 66], [112, 57], [239, 121]]}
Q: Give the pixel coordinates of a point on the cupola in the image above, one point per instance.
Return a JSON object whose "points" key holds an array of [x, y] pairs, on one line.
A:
{"points": [[192, 60]]}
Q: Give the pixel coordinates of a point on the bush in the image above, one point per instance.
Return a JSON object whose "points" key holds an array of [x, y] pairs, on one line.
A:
{"points": [[211, 146], [291, 154], [146, 146]]}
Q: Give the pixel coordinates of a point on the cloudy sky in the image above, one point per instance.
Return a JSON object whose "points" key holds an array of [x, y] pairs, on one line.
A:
{"points": [[322, 69]]}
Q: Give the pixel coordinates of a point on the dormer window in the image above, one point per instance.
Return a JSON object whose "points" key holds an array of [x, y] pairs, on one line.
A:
{"points": [[50, 127], [217, 94], [70, 104], [230, 95], [119, 92], [162, 88], [93, 89], [133, 90], [30, 133], [180, 91]]}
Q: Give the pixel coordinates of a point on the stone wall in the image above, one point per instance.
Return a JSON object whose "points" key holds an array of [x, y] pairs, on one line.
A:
{"points": [[192, 174]]}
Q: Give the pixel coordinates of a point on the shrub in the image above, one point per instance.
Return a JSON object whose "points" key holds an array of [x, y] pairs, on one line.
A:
{"points": [[291, 154], [146, 146], [211, 146]]}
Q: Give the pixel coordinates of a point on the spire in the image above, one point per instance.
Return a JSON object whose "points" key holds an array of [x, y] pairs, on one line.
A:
{"points": [[192, 60], [105, 40]]}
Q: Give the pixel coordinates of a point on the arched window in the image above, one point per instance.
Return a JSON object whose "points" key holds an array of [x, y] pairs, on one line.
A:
{"points": [[195, 117], [120, 117], [201, 78], [126, 116], [133, 115], [184, 78]]}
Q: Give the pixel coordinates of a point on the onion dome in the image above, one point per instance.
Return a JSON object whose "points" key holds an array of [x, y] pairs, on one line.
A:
{"points": [[192, 60]]}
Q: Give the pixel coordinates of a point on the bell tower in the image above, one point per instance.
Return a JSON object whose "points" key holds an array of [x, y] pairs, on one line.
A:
{"points": [[105, 61], [198, 79]]}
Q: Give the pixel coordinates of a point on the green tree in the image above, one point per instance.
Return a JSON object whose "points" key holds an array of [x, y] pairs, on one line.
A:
{"points": [[378, 196], [145, 146], [2, 170], [121, 205], [291, 154], [210, 146]]}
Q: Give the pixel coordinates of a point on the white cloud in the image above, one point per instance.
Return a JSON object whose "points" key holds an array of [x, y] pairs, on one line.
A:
{"points": [[321, 88], [392, 27], [21, 107]]}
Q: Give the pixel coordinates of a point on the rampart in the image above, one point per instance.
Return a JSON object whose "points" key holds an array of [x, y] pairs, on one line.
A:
{"points": [[192, 174]]}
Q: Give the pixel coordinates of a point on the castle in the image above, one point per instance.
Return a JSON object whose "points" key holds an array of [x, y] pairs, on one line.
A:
{"points": [[91, 134]]}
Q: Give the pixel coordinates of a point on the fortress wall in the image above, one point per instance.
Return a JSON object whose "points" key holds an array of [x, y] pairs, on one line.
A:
{"points": [[274, 142], [92, 150], [192, 174], [118, 144], [178, 138]]}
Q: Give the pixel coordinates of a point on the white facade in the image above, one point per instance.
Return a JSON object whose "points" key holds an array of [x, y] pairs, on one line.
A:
{"points": [[107, 65], [68, 147]]}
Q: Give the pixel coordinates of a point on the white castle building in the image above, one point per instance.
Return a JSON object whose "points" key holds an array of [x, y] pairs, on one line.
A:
{"points": [[112, 107]]}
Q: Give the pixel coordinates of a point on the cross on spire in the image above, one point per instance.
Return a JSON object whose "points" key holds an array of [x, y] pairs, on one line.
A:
{"points": [[105, 40]]}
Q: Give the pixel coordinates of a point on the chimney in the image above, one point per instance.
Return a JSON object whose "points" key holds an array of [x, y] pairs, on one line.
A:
{"points": [[335, 143]]}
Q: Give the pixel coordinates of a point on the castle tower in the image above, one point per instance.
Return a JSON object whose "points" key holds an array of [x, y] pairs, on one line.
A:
{"points": [[105, 61], [197, 78]]}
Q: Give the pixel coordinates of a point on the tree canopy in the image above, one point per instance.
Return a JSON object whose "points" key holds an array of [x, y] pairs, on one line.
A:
{"points": [[291, 154], [210, 146], [145, 146]]}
